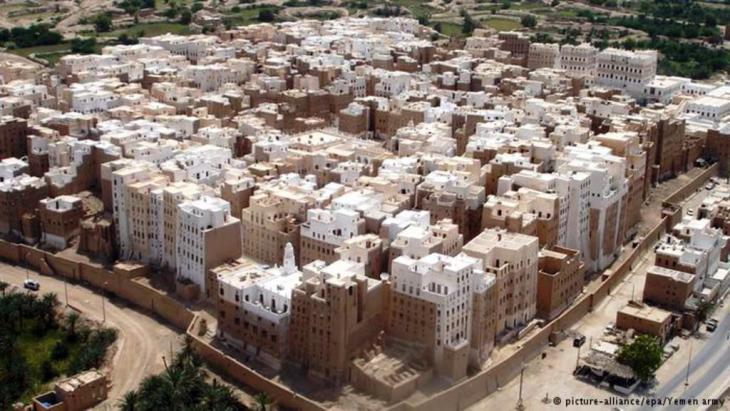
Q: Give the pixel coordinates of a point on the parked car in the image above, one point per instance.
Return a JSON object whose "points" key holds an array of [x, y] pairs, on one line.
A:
{"points": [[711, 325], [579, 341], [32, 285]]}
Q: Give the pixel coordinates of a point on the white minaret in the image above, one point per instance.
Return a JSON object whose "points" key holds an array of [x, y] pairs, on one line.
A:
{"points": [[290, 265]]}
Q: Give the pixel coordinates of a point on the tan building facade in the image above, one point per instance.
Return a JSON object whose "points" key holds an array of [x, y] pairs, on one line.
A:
{"points": [[60, 220], [513, 260], [560, 280]]}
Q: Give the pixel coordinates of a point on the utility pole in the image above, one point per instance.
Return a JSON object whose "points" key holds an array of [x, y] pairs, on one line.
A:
{"points": [[103, 304], [520, 405], [65, 289], [27, 263], [689, 361]]}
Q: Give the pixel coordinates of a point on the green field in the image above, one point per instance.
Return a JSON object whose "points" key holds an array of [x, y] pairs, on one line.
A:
{"points": [[245, 16], [527, 5], [53, 58], [49, 53], [501, 24], [36, 351], [25, 52], [150, 30], [39, 345], [451, 29], [417, 7]]}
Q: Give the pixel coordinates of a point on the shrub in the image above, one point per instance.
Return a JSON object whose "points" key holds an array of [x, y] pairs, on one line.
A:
{"points": [[103, 22], [48, 372], [266, 16], [59, 351], [528, 21], [186, 16], [83, 46]]}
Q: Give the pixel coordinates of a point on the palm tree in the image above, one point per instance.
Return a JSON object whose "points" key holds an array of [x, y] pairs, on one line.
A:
{"points": [[176, 388], [130, 401], [151, 395], [71, 319], [47, 308], [263, 401], [218, 397], [703, 310]]}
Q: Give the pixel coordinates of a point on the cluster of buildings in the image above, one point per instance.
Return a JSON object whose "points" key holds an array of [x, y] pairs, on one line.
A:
{"points": [[355, 201]]}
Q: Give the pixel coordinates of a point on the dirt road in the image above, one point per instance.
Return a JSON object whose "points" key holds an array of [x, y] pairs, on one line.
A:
{"points": [[143, 340]]}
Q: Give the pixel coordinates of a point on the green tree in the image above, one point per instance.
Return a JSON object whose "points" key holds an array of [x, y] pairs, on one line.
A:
{"points": [[125, 39], [528, 21], [186, 16], [263, 401], [59, 351], [14, 377], [83, 46], [181, 383], [710, 20], [216, 396], [103, 22], [469, 24], [130, 401], [71, 321], [703, 310], [643, 355], [266, 15], [47, 309], [47, 371], [196, 7]]}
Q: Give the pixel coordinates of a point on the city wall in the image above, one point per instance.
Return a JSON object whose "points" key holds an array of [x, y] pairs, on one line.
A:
{"points": [[475, 388], [692, 186], [124, 281], [246, 376]]}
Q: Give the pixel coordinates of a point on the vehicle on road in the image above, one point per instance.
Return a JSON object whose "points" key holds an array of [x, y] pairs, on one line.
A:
{"points": [[579, 341], [709, 186], [32, 285], [711, 325]]}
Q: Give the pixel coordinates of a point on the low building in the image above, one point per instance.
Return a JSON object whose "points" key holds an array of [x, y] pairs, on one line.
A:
{"points": [[668, 288], [644, 319], [80, 392]]}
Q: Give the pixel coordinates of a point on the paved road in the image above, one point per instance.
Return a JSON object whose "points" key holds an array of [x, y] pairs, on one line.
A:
{"points": [[709, 366], [142, 339]]}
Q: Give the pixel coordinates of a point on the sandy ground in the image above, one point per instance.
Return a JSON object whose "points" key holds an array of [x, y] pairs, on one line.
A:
{"points": [[18, 59]]}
